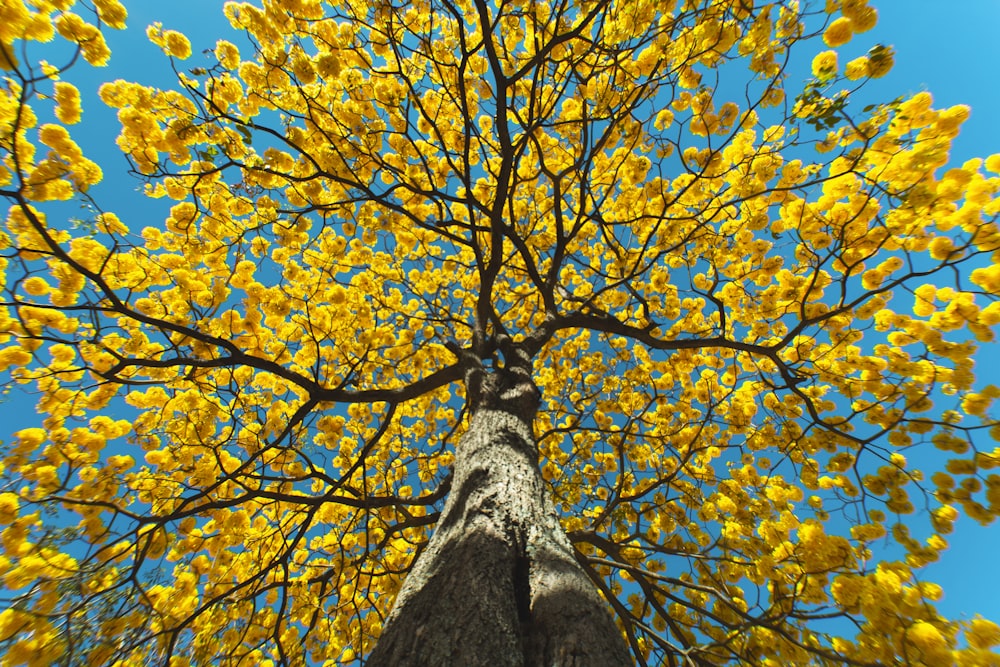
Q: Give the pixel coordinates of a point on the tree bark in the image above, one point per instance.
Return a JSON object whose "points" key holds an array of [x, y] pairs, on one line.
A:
{"points": [[498, 583]]}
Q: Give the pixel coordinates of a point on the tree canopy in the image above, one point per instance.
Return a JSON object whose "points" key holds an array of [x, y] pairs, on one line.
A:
{"points": [[749, 303]]}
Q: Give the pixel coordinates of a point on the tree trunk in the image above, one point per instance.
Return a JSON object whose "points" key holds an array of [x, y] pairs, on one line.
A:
{"points": [[498, 583]]}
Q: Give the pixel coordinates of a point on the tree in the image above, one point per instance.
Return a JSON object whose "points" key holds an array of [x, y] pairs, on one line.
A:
{"points": [[581, 332]]}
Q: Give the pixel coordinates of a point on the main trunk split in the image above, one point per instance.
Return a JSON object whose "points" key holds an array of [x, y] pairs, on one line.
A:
{"points": [[498, 583]]}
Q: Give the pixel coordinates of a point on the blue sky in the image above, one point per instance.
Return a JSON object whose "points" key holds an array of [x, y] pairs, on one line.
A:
{"points": [[946, 49]]}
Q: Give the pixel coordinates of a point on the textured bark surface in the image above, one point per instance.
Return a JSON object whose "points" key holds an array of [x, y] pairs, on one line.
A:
{"points": [[498, 583]]}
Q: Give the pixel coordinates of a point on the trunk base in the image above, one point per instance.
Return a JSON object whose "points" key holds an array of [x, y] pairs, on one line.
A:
{"points": [[498, 584]]}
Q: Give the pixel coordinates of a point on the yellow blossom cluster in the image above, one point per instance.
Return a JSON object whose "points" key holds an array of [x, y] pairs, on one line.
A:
{"points": [[67, 103], [857, 16], [173, 43]]}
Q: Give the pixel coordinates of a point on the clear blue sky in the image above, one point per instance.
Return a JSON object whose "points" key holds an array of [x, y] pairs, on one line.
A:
{"points": [[948, 49]]}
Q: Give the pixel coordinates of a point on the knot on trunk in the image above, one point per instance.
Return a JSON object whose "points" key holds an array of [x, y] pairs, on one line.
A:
{"points": [[510, 389]]}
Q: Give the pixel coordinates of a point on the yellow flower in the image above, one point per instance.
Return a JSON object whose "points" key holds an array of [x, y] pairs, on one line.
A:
{"points": [[96, 51], [112, 13], [864, 20], [880, 61], [328, 65], [839, 32], [983, 634], [9, 506], [228, 54], [857, 68], [75, 29], [172, 42], [29, 439], [109, 223], [941, 247], [176, 44], [8, 61], [36, 286], [665, 117], [121, 462], [950, 119], [338, 295], [39, 28], [157, 457], [23, 652], [931, 645], [923, 303], [824, 65], [863, 17], [57, 138], [850, 8], [67, 102], [182, 216], [15, 18]]}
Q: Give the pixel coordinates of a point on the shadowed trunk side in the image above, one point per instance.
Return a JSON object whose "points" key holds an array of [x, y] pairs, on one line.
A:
{"points": [[498, 583]]}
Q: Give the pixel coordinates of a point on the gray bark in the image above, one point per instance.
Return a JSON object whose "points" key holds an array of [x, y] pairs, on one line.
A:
{"points": [[498, 583]]}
